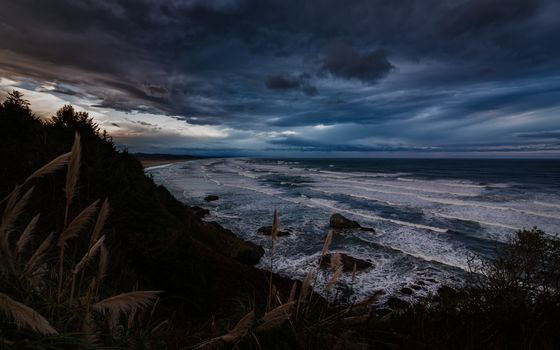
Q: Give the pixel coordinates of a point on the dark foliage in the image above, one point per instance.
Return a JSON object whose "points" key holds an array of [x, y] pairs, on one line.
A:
{"points": [[512, 302], [157, 242]]}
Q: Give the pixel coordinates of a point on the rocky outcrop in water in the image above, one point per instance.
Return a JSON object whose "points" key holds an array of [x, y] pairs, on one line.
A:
{"points": [[198, 212], [211, 198], [397, 304], [338, 221]]}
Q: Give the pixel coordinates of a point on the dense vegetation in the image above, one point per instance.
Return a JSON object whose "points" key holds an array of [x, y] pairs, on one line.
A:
{"points": [[118, 239]]}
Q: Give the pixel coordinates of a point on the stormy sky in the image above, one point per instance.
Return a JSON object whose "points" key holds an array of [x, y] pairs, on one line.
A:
{"points": [[329, 78]]}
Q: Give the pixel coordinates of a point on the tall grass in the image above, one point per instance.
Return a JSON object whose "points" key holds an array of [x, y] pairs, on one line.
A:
{"points": [[302, 310], [41, 296]]}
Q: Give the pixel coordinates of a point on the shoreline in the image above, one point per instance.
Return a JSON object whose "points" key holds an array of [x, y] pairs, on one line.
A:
{"points": [[156, 160], [153, 164]]}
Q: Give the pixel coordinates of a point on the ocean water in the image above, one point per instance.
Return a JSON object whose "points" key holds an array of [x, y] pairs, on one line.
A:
{"points": [[429, 216]]}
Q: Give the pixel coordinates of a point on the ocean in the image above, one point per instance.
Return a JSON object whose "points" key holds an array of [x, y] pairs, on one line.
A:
{"points": [[430, 217]]}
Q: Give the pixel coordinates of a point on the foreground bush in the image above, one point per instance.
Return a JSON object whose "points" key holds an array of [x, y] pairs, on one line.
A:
{"points": [[511, 302], [51, 292]]}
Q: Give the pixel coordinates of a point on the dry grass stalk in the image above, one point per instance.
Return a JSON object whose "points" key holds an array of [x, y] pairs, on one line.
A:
{"points": [[13, 210], [100, 222], [241, 328], [73, 171], [276, 318], [77, 224], [334, 278], [79, 221], [336, 261], [25, 237], [292, 296], [25, 317], [37, 257], [102, 267], [85, 260], [72, 230], [88, 256], [282, 310], [306, 284], [326, 245], [51, 167], [131, 317], [336, 266], [160, 326], [304, 290], [125, 302]]}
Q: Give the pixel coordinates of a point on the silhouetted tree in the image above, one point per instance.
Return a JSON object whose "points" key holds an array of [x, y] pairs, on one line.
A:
{"points": [[15, 98], [15, 116], [68, 118]]}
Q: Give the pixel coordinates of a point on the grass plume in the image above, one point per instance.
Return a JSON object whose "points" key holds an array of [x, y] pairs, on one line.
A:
{"points": [[72, 230], [25, 237], [100, 222], [73, 172], [126, 302], [24, 316], [37, 257], [50, 167]]}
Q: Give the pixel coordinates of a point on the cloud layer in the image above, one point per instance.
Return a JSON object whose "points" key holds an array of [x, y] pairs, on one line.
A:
{"points": [[261, 76]]}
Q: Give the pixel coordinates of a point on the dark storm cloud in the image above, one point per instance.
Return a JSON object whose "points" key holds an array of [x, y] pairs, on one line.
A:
{"points": [[285, 83], [346, 62], [280, 82], [417, 71], [477, 15]]}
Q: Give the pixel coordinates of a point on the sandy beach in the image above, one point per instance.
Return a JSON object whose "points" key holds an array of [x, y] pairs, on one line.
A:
{"points": [[151, 160]]}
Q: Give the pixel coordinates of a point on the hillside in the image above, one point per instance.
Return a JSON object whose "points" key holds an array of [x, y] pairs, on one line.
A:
{"points": [[160, 244]]}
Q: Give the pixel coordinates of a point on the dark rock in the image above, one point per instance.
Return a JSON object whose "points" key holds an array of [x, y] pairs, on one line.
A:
{"points": [[211, 198], [446, 292], [421, 283], [382, 312], [367, 229], [407, 291], [250, 255], [347, 262], [199, 212], [339, 221], [396, 303], [415, 287], [267, 231]]}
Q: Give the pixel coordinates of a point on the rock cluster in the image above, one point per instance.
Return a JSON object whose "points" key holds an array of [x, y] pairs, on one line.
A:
{"points": [[337, 221]]}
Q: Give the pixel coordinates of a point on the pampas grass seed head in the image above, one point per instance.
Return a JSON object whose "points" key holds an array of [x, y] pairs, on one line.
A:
{"points": [[24, 316]]}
